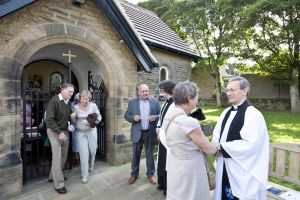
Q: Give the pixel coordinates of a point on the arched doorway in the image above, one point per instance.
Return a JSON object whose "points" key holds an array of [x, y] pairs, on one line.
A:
{"points": [[38, 86], [40, 80]]}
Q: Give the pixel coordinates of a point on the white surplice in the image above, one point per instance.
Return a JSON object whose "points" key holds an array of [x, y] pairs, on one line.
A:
{"points": [[247, 168]]}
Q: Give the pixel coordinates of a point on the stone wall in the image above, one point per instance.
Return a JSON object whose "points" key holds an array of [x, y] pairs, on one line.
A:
{"points": [[272, 104], [264, 88], [269, 90], [261, 104], [201, 76]]}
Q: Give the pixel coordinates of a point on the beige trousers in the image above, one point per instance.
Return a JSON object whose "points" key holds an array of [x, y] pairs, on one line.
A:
{"points": [[59, 157]]}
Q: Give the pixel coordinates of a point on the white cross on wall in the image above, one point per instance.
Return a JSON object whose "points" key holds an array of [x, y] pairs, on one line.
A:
{"points": [[69, 55]]}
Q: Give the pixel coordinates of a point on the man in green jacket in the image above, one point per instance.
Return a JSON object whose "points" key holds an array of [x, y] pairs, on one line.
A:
{"points": [[57, 117]]}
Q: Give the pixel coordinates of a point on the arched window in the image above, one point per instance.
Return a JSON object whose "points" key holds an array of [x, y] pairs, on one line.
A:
{"points": [[163, 73], [56, 79]]}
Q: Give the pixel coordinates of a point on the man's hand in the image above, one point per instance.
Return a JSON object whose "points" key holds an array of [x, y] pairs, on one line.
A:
{"points": [[137, 118], [62, 137], [152, 118]]}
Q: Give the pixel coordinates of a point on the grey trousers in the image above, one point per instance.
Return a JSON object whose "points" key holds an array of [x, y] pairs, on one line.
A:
{"points": [[136, 155], [87, 143], [59, 157]]}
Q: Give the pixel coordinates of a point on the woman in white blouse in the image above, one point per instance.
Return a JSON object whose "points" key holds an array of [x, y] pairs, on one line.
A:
{"points": [[187, 177], [86, 134]]}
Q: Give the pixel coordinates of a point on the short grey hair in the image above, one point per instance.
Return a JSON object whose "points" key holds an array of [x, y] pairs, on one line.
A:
{"points": [[183, 91], [66, 85], [244, 83]]}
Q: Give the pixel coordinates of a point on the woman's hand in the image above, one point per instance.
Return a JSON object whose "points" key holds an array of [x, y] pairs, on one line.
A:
{"points": [[73, 116], [218, 149], [202, 141]]}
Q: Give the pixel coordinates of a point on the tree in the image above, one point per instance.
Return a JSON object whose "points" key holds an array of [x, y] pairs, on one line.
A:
{"points": [[160, 7], [209, 25], [270, 37]]}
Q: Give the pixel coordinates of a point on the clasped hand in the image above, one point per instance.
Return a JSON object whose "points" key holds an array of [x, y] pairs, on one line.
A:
{"points": [[62, 137], [151, 118]]}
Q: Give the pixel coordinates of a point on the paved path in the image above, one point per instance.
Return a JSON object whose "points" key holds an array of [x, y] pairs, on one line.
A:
{"points": [[105, 183]]}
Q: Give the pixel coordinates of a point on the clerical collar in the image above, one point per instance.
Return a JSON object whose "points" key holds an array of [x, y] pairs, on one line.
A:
{"points": [[236, 108]]}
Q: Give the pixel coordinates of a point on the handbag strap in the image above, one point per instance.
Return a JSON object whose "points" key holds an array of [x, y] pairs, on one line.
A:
{"points": [[171, 121]]}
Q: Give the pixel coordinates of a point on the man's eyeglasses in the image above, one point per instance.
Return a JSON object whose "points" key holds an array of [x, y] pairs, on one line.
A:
{"points": [[231, 90]]}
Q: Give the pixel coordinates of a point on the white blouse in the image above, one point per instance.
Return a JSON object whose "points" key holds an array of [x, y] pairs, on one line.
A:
{"points": [[81, 116]]}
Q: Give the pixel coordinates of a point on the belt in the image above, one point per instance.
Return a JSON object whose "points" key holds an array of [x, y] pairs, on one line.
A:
{"points": [[145, 130]]}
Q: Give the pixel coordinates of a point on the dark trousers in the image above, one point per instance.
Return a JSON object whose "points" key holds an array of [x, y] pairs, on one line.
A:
{"points": [[137, 149], [226, 189], [161, 168]]}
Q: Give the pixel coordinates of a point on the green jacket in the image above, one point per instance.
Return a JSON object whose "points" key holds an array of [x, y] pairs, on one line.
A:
{"points": [[57, 115]]}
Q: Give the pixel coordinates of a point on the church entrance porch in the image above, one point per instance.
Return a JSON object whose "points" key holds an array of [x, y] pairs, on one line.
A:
{"points": [[43, 46], [38, 86]]}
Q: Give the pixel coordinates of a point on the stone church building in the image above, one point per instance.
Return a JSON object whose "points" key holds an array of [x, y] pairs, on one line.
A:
{"points": [[106, 46]]}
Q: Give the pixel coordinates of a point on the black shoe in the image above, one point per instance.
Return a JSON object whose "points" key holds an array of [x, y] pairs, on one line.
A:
{"points": [[65, 178], [62, 190], [165, 193], [159, 188]]}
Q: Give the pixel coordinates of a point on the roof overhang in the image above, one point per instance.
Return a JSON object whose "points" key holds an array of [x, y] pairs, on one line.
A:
{"points": [[113, 11], [194, 57], [8, 6]]}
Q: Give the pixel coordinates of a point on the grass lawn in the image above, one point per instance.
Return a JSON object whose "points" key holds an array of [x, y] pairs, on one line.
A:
{"points": [[283, 127]]}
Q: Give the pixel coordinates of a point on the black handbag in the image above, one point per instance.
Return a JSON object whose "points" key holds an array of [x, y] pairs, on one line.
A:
{"points": [[92, 118], [198, 114]]}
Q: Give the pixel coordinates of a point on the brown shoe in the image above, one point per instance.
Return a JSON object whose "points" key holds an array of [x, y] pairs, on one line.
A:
{"points": [[151, 180], [62, 190], [131, 180]]}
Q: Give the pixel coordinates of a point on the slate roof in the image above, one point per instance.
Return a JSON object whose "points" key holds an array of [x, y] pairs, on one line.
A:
{"points": [[8, 6], [155, 32]]}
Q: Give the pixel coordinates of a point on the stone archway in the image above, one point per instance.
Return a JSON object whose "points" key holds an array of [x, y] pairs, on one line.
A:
{"points": [[17, 55]]}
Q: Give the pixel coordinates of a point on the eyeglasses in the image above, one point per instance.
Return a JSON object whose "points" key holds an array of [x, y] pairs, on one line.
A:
{"points": [[231, 90]]}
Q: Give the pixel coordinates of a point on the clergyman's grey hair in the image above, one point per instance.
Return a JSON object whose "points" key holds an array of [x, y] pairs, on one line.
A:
{"points": [[244, 83], [183, 91]]}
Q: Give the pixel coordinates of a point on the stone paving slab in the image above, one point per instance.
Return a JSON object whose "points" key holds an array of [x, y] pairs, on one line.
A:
{"points": [[105, 183]]}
